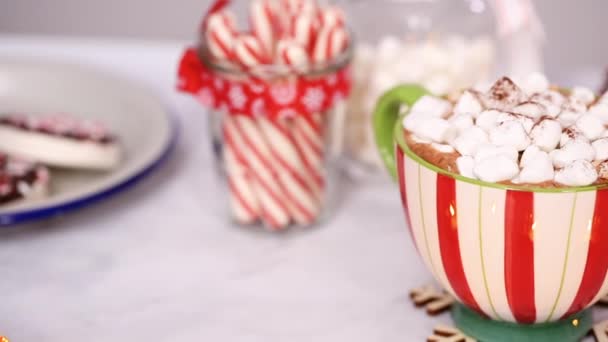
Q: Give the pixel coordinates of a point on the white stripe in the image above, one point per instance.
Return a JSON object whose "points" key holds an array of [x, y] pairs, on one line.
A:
{"points": [[413, 202], [551, 227], [262, 25], [493, 300], [551, 267], [429, 203]]}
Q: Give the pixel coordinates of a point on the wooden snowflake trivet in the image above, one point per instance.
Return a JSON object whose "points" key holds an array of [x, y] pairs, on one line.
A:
{"points": [[603, 301], [444, 333], [434, 301]]}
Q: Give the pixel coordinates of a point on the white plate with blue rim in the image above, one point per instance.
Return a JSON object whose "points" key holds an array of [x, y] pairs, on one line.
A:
{"points": [[144, 128]]}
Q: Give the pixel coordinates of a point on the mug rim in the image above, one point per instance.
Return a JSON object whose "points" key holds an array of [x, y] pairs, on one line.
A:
{"points": [[400, 141]]}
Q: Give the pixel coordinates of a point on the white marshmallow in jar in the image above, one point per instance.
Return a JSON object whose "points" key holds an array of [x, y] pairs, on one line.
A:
{"points": [[274, 75], [443, 45]]}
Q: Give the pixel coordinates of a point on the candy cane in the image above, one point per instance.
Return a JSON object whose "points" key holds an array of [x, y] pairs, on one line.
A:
{"points": [[262, 21], [249, 52], [308, 136], [331, 16], [292, 54], [331, 41], [293, 177], [241, 133], [243, 202], [220, 34], [304, 29]]}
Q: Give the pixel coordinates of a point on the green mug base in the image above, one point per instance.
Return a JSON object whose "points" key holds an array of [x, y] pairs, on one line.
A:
{"points": [[482, 329]]}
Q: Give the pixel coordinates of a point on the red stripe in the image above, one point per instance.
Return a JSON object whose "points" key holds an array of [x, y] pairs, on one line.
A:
{"points": [[267, 216], [258, 154], [255, 53], [447, 226], [293, 170], [314, 145], [314, 121], [239, 197], [284, 188], [519, 255], [215, 38], [597, 256]]}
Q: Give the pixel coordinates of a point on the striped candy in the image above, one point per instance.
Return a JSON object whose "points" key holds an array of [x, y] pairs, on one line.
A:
{"points": [[331, 16], [292, 54], [330, 42], [249, 51], [221, 33], [263, 23], [510, 255]]}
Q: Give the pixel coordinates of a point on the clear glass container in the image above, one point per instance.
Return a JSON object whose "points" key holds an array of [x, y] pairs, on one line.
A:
{"points": [[444, 45], [278, 171]]}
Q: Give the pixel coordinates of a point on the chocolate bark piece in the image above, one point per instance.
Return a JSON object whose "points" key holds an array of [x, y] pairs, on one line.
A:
{"points": [[59, 126], [18, 176]]}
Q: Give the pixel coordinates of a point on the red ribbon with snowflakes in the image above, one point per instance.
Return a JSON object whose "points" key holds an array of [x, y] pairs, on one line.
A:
{"points": [[293, 95]]}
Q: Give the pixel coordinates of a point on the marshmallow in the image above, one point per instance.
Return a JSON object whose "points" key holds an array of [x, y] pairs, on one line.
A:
{"points": [[419, 140], [574, 150], [510, 133], [524, 120], [465, 166], [529, 155], [570, 134], [546, 134], [428, 127], [469, 141], [432, 106], [443, 148], [537, 169], [488, 119], [584, 95], [591, 126], [486, 151], [535, 83], [604, 98], [530, 109], [577, 173], [460, 122], [551, 100], [468, 104], [601, 149], [568, 118], [504, 95], [575, 105], [496, 169], [600, 111], [602, 170]]}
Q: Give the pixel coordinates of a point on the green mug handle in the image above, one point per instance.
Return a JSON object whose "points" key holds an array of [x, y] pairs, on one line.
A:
{"points": [[386, 116]]}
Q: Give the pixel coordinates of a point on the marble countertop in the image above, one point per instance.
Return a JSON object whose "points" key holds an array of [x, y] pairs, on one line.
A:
{"points": [[160, 263]]}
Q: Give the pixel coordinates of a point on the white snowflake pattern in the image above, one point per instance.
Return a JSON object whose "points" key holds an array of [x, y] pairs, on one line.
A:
{"points": [[219, 84], [237, 97], [257, 88], [313, 99], [206, 97], [284, 94], [258, 108]]}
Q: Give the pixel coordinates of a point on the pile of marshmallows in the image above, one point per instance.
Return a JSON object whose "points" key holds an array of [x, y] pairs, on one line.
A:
{"points": [[292, 33], [524, 135]]}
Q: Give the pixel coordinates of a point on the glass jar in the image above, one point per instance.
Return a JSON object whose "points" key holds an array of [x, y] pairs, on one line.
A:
{"points": [[444, 45], [272, 126]]}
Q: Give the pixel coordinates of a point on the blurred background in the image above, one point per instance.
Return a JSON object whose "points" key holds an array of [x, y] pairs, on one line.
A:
{"points": [[573, 27]]}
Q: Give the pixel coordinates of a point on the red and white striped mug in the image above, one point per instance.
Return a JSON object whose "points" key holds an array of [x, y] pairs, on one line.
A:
{"points": [[513, 254]]}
